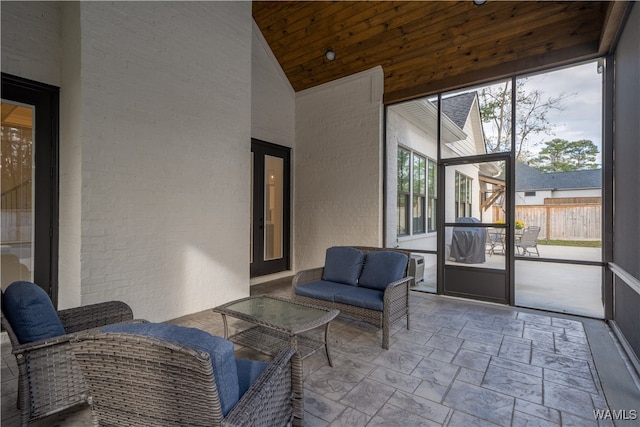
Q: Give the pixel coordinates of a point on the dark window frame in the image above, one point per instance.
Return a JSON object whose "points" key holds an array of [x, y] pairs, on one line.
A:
{"points": [[463, 208], [416, 193], [403, 203], [46, 99]]}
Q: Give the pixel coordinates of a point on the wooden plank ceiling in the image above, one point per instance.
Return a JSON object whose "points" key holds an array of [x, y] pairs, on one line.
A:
{"points": [[430, 46]]}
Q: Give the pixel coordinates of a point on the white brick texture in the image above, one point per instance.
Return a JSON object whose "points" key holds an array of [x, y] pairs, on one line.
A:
{"points": [[165, 129], [338, 166]]}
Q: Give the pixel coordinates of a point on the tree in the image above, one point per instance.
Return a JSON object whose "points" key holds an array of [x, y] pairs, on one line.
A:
{"points": [[560, 155], [531, 116]]}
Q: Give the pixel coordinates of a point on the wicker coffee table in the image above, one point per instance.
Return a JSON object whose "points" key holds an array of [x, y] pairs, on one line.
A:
{"points": [[280, 322]]}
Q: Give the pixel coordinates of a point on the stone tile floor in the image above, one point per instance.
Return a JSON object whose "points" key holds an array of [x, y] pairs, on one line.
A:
{"points": [[462, 363]]}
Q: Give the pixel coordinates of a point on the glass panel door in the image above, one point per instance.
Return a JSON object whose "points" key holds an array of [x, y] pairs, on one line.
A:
{"points": [[17, 214], [29, 163], [270, 211], [476, 232]]}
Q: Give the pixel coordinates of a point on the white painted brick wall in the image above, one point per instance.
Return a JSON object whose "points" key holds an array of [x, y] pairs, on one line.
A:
{"points": [[166, 119], [338, 166], [273, 100], [70, 169], [156, 121], [273, 110], [31, 42]]}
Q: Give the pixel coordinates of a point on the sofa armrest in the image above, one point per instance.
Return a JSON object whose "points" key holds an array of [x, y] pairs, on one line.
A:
{"points": [[94, 315], [397, 290], [397, 283], [269, 399], [307, 276]]}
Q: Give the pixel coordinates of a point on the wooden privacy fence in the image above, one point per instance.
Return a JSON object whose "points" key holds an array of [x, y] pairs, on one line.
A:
{"points": [[580, 221]]}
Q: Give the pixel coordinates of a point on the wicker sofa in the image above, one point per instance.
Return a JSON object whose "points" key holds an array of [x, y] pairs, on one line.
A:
{"points": [[154, 374], [49, 378], [370, 284]]}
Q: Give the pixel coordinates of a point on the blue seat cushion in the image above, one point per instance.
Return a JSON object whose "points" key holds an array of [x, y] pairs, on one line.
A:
{"points": [[343, 264], [220, 350], [381, 268], [321, 289], [248, 372], [362, 297], [30, 312]]}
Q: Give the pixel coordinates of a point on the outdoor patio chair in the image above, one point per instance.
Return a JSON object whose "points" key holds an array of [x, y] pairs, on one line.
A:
{"points": [[49, 379], [157, 374], [528, 241], [495, 241]]}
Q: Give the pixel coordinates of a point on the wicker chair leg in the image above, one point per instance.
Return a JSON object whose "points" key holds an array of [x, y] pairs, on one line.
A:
{"points": [[18, 398], [408, 309], [23, 403], [298, 390], [385, 336]]}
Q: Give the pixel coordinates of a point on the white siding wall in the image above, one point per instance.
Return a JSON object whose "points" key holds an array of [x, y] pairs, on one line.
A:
{"points": [[538, 199], [400, 131], [338, 166]]}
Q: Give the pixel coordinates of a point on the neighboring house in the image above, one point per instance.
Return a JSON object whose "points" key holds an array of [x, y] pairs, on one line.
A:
{"points": [[565, 205], [412, 168], [534, 187]]}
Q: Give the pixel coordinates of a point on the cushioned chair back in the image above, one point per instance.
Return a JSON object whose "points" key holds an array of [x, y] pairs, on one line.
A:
{"points": [[136, 381], [382, 268], [367, 249], [27, 307]]}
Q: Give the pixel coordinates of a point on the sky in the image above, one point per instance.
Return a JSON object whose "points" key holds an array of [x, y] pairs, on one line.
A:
{"points": [[581, 117], [581, 114]]}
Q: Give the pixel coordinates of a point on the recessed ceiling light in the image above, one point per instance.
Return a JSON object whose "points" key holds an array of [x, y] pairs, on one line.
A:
{"points": [[330, 54], [479, 2]]}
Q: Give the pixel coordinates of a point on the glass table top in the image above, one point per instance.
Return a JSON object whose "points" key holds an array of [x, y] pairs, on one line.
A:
{"points": [[277, 311]]}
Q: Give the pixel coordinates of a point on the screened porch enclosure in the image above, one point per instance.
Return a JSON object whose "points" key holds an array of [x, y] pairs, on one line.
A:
{"points": [[549, 248]]}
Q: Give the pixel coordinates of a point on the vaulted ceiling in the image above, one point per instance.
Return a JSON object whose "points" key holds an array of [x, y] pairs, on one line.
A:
{"points": [[430, 46]]}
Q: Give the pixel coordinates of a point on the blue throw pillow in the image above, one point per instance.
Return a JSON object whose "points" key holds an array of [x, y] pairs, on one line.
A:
{"points": [[343, 264], [220, 350], [381, 268], [30, 312]]}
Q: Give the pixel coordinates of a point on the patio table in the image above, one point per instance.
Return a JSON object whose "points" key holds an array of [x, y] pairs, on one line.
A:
{"points": [[280, 322]]}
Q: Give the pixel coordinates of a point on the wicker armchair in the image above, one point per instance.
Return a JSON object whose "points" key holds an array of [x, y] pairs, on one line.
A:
{"points": [[138, 380], [49, 379]]}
